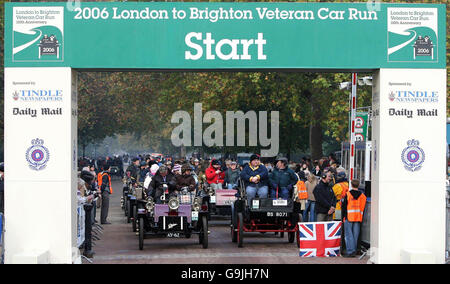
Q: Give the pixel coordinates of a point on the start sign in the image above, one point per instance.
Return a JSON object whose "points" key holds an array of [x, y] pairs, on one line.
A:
{"points": [[224, 35]]}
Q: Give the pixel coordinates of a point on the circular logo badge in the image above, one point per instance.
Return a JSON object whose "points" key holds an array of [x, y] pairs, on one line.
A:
{"points": [[413, 156], [37, 155]]}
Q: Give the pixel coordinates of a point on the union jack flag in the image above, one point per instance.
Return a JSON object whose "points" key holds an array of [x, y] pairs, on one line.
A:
{"points": [[320, 239]]}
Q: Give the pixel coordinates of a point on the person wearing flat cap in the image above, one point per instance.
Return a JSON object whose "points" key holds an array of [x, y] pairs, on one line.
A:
{"points": [[256, 178], [133, 170], [282, 180]]}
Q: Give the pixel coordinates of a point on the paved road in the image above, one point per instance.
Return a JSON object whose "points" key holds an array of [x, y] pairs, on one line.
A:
{"points": [[120, 245]]}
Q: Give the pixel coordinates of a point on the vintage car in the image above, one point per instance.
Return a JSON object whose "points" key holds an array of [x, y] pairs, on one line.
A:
{"points": [[264, 215], [115, 171], [220, 200], [132, 191], [174, 216]]}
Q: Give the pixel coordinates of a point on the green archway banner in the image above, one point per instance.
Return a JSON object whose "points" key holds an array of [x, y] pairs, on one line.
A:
{"points": [[339, 36]]}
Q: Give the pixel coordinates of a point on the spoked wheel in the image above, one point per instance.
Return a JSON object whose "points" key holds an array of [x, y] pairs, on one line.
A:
{"points": [[240, 231], [135, 219], [233, 233], [128, 211], [291, 237], [141, 233], [205, 231]]}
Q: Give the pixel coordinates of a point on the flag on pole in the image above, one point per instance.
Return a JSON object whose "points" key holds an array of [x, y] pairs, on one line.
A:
{"points": [[320, 239]]}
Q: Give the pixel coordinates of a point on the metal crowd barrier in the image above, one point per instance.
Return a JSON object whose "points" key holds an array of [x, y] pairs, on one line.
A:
{"points": [[365, 226]]}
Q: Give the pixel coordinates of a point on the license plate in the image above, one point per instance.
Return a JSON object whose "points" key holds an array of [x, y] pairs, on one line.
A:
{"points": [[212, 199], [195, 216], [173, 235], [279, 202], [277, 214]]}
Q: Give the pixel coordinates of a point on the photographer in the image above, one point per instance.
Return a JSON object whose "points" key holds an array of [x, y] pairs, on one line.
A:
{"points": [[86, 196], [82, 192], [90, 189]]}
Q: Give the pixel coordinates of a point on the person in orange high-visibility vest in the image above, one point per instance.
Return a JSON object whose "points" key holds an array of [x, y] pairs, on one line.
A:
{"points": [[302, 191], [105, 186], [352, 216], [340, 190]]}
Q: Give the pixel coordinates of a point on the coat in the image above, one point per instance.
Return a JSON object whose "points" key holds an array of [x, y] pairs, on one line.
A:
{"points": [[325, 198], [158, 181], [212, 177], [260, 171], [232, 176], [185, 180], [283, 178]]}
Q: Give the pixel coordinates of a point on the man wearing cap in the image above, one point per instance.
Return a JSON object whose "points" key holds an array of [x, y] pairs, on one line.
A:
{"points": [[196, 166], [232, 175], [133, 169], [282, 180], [325, 199], [185, 179], [168, 164], [144, 169], [340, 190], [256, 179], [214, 175], [156, 187]]}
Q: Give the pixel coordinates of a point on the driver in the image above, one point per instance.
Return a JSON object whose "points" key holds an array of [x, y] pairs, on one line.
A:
{"points": [[156, 188], [133, 169], [185, 179], [256, 178]]}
